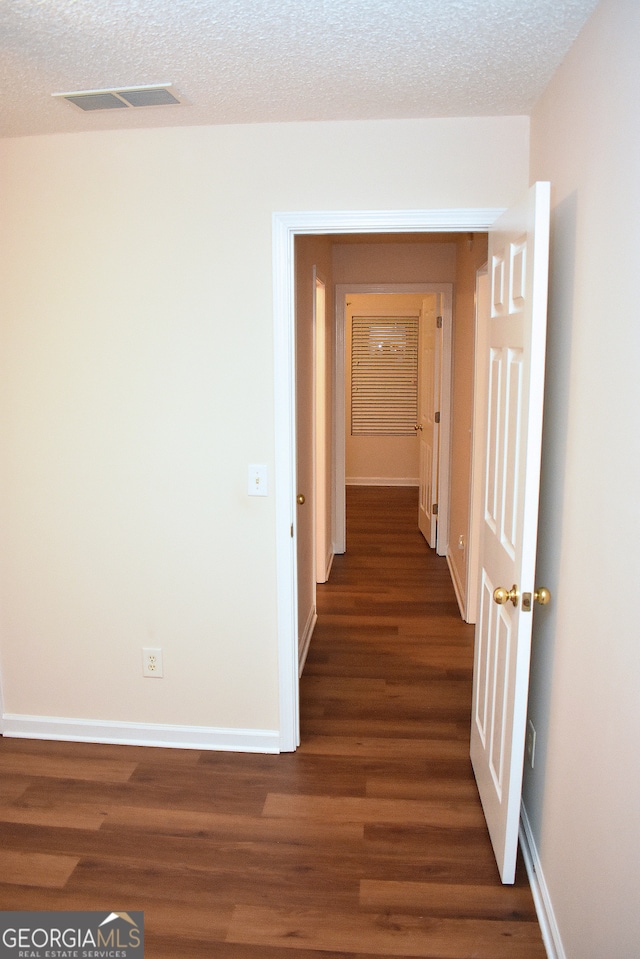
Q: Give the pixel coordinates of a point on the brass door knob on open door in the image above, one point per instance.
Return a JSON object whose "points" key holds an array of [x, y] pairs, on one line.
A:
{"points": [[300, 499], [542, 596], [502, 595]]}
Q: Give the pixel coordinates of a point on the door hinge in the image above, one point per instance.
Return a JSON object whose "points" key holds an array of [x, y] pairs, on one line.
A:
{"points": [[436, 417], [434, 509], [439, 322], [292, 531]]}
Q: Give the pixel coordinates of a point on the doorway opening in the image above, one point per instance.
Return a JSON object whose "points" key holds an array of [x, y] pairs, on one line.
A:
{"points": [[514, 353], [286, 227], [422, 296]]}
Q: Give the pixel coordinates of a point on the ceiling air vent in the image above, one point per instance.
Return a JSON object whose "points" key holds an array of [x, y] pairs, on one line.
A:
{"points": [[158, 95]]}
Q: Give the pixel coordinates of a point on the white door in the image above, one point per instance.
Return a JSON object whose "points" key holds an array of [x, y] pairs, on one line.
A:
{"points": [[428, 424], [514, 357]]}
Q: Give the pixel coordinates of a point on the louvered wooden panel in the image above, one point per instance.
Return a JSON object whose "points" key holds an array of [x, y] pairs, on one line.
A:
{"points": [[384, 375]]}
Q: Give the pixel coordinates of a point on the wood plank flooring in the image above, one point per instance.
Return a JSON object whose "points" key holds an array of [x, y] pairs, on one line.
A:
{"points": [[369, 841]]}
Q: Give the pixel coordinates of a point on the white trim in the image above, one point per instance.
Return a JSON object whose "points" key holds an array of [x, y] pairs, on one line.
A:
{"points": [[285, 226], [383, 481], [463, 220], [457, 586], [319, 443], [305, 639], [541, 898], [338, 433], [444, 456], [330, 558], [478, 441], [285, 477], [141, 734]]}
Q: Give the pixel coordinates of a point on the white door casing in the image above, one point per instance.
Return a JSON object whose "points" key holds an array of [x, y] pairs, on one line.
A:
{"points": [[477, 444], [445, 310], [514, 369], [428, 421], [285, 227], [320, 432]]}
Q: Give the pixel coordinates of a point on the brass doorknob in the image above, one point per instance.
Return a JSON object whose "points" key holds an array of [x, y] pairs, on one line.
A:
{"points": [[502, 595], [542, 596], [300, 499]]}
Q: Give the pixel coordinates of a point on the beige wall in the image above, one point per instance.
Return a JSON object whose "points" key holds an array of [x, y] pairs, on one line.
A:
{"points": [[583, 796], [373, 261], [471, 254], [136, 385]]}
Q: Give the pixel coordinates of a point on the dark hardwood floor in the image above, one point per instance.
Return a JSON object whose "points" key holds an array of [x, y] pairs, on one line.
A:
{"points": [[369, 841]]}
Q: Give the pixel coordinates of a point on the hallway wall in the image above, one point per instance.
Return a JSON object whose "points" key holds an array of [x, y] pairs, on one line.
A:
{"points": [[471, 254], [137, 384], [310, 252]]}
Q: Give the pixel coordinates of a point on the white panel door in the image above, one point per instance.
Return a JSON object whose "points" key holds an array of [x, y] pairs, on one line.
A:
{"points": [[514, 358], [428, 425]]}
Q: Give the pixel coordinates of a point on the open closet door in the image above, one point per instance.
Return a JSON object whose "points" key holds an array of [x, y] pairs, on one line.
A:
{"points": [[514, 358]]}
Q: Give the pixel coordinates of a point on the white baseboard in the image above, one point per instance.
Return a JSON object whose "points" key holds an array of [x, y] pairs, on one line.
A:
{"points": [[382, 481], [457, 586], [539, 890], [328, 563], [141, 734], [305, 639], [327, 572]]}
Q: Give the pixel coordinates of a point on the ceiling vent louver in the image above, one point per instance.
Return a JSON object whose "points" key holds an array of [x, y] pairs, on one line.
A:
{"points": [[158, 95]]}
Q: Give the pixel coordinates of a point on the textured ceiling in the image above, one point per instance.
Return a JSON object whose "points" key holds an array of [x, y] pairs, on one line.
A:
{"points": [[254, 61]]}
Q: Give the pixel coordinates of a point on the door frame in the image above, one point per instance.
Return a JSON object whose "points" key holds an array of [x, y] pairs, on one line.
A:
{"points": [[340, 371], [320, 423], [285, 227], [478, 438]]}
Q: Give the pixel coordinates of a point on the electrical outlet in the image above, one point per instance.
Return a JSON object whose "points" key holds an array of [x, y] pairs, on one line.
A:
{"points": [[152, 663], [530, 743]]}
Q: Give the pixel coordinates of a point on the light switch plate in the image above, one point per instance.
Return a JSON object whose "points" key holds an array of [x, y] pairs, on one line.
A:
{"points": [[257, 479]]}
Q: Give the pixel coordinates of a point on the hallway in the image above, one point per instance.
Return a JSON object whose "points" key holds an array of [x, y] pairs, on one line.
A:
{"points": [[386, 697]]}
